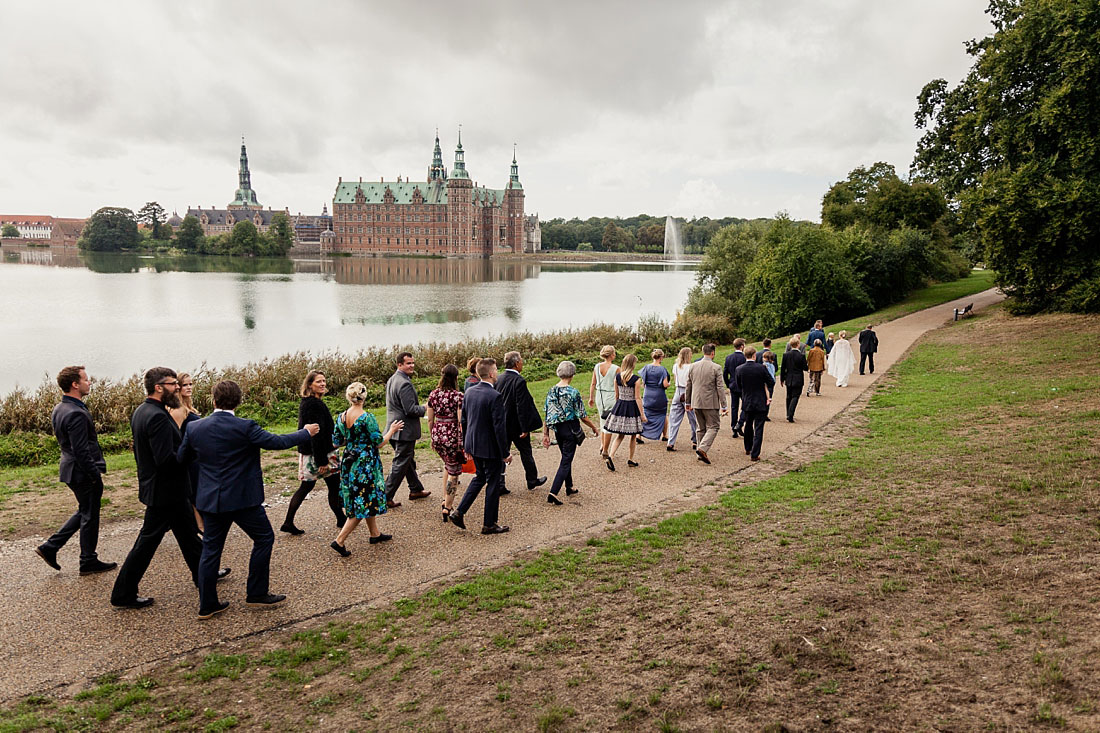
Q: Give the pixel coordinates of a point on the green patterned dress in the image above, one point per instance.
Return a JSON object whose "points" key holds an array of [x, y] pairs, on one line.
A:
{"points": [[361, 483]]}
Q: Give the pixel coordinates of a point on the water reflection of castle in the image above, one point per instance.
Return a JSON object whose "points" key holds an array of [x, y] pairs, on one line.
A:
{"points": [[414, 271]]}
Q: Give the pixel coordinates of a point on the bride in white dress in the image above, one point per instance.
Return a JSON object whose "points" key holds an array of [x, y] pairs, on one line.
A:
{"points": [[842, 360]]}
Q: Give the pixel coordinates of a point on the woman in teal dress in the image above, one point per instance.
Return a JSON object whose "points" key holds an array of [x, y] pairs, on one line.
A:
{"points": [[362, 485]]}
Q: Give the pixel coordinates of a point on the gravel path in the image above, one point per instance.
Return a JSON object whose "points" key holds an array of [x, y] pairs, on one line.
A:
{"points": [[58, 628]]}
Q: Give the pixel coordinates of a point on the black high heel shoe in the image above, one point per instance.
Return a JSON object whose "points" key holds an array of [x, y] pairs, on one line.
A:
{"points": [[610, 464], [446, 512], [569, 491], [632, 464], [551, 499]]}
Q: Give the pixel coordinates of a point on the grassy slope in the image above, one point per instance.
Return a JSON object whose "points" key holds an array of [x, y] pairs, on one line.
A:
{"points": [[42, 478], [939, 571]]}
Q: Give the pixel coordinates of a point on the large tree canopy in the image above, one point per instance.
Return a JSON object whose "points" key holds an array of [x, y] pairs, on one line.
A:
{"points": [[1017, 146], [109, 230]]}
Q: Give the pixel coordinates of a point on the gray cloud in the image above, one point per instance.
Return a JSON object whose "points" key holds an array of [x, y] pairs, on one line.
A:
{"points": [[736, 108]]}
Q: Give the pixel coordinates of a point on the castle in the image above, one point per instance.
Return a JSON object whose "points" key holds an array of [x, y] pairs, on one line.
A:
{"points": [[448, 214]]}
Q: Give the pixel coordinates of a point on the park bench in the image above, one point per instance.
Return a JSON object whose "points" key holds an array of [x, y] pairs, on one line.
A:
{"points": [[963, 312]]}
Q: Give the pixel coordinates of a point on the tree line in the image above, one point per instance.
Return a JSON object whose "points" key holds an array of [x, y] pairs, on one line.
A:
{"points": [[115, 229], [642, 233]]}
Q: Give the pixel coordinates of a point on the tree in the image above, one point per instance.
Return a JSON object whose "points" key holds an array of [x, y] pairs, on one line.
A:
{"points": [[799, 274], [244, 239], [280, 236], [616, 239], [163, 232], [150, 215], [877, 198], [1017, 146], [10, 231], [190, 235], [110, 229], [722, 273]]}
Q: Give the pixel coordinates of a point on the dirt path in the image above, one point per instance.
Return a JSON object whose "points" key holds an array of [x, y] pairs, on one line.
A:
{"points": [[58, 628]]}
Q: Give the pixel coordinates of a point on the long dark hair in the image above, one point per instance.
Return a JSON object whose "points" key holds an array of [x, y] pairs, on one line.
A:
{"points": [[449, 379]]}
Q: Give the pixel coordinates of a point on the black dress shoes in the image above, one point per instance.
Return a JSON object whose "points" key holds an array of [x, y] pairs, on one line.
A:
{"points": [[381, 538], [569, 491], [495, 529], [269, 600], [790, 419], [456, 519], [504, 491], [291, 529], [97, 567], [48, 556], [224, 572], [343, 551], [551, 499], [137, 602], [536, 483], [211, 612]]}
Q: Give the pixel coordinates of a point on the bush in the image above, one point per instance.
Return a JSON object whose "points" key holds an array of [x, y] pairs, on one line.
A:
{"points": [[692, 330]]}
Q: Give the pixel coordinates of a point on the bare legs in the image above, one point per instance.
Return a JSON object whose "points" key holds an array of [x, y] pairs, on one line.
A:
{"points": [[352, 523], [617, 442], [450, 488], [605, 439]]}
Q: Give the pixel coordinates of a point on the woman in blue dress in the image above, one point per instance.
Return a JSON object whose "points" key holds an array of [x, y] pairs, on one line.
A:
{"points": [[362, 486], [654, 379]]}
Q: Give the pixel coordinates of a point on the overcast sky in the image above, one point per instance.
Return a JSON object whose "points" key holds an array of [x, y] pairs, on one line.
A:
{"points": [[736, 108]]}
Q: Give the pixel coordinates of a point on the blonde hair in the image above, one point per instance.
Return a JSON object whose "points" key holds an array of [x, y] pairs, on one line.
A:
{"points": [[628, 363], [187, 402], [608, 351], [843, 334], [684, 357], [356, 393], [657, 354]]}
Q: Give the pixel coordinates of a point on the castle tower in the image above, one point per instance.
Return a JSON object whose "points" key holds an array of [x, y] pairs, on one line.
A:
{"points": [[513, 209], [436, 171], [460, 208], [246, 197]]}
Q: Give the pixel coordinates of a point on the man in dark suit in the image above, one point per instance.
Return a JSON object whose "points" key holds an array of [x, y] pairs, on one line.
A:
{"points": [[485, 427], [82, 468], [791, 375], [729, 368], [402, 404], [756, 386], [522, 416], [868, 346], [163, 487], [231, 490]]}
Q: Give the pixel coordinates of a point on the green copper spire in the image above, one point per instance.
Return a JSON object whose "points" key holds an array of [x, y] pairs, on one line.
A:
{"points": [[246, 197], [513, 177], [459, 168], [436, 172]]}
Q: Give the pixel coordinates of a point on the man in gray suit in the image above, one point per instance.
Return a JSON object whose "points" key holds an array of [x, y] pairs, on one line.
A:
{"points": [[402, 404], [705, 396]]}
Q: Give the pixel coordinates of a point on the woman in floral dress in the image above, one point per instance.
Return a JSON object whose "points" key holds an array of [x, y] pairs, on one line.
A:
{"points": [[444, 415], [362, 485]]}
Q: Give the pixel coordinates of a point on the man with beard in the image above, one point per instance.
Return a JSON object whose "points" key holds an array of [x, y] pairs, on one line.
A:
{"points": [[163, 487]]}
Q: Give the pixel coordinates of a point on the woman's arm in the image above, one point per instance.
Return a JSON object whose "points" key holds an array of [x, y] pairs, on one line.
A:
{"points": [[592, 387], [429, 413]]}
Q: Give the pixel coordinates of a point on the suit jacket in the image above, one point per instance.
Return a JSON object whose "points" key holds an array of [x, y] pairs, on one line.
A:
{"points": [[792, 368], [402, 404], [815, 359], [705, 389], [814, 335], [757, 385], [868, 341], [161, 478], [760, 355], [733, 361], [81, 456], [519, 406], [484, 422], [227, 449]]}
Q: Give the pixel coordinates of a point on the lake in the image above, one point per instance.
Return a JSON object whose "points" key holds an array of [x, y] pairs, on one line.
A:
{"points": [[119, 314]]}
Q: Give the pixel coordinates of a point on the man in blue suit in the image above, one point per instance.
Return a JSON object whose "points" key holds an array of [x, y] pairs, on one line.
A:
{"points": [[485, 427], [734, 360], [756, 385], [231, 490]]}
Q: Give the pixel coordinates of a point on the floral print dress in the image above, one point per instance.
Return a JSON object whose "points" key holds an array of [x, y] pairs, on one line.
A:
{"points": [[362, 485], [446, 431]]}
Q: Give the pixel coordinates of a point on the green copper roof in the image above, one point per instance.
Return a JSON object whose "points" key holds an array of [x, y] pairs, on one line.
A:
{"points": [[433, 193]]}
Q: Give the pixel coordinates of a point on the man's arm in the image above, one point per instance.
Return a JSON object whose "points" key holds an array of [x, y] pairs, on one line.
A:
{"points": [[259, 437], [186, 452], [500, 424], [406, 397], [162, 434], [80, 434], [770, 381]]}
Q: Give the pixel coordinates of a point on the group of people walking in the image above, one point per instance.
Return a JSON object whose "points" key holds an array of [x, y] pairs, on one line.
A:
{"points": [[197, 476]]}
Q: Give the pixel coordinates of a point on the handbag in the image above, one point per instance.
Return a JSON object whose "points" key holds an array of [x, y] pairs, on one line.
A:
{"points": [[578, 435], [604, 415], [468, 466]]}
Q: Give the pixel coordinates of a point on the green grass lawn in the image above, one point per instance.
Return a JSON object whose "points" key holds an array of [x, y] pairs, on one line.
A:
{"points": [[935, 572]]}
